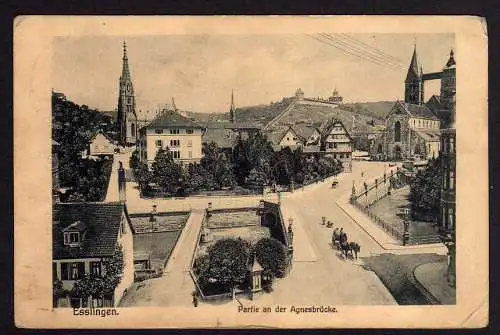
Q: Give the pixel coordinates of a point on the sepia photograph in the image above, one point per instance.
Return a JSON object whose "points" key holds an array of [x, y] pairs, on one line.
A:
{"points": [[252, 177]]}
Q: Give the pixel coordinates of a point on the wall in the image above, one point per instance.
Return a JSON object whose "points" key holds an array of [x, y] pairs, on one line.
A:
{"points": [[127, 243]]}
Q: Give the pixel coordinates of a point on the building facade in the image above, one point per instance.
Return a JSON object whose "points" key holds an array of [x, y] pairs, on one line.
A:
{"points": [[337, 143], [412, 132], [448, 180], [85, 236], [101, 145], [412, 127], [127, 117], [182, 136]]}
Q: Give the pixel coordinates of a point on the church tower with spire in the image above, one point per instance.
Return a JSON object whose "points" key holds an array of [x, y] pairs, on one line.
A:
{"points": [[232, 111], [127, 117], [414, 83]]}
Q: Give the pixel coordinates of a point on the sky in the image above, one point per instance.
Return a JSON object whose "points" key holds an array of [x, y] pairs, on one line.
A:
{"points": [[200, 71]]}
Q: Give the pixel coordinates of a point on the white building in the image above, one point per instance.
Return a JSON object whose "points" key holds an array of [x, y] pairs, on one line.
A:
{"points": [[101, 145], [176, 132]]}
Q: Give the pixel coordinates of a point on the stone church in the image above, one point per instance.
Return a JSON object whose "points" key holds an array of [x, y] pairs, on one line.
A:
{"points": [[127, 117], [412, 127]]}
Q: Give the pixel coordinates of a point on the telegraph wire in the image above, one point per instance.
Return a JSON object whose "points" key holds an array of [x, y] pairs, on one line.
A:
{"points": [[361, 51], [382, 53], [357, 55], [353, 52]]}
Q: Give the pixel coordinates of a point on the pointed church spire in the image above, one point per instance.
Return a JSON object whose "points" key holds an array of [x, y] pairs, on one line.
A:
{"points": [[173, 104], [125, 69], [451, 60], [232, 110], [414, 70]]}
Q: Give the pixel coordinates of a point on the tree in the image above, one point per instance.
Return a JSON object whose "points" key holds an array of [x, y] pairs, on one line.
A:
{"points": [[227, 262], [260, 175], [113, 270], [216, 164], [272, 255], [165, 172]]}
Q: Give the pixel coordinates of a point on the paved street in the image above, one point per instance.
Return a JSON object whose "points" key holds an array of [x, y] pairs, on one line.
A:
{"points": [[318, 270]]}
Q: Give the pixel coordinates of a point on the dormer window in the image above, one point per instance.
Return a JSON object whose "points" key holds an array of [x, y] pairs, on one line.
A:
{"points": [[71, 238], [74, 234]]}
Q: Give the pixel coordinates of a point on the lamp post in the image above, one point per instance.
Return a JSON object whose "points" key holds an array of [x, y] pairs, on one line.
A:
{"points": [[290, 229], [406, 224]]}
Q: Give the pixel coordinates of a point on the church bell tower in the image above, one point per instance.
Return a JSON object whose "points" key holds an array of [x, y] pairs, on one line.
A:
{"points": [[414, 83], [127, 118]]}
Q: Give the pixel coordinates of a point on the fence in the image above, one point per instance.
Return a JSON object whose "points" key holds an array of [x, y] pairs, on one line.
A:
{"points": [[383, 224], [381, 187]]}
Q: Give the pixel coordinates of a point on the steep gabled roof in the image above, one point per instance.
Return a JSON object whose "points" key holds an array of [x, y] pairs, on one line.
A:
{"points": [[414, 70], [418, 111], [220, 137], [304, 130], [169, 118], [102, 222]]}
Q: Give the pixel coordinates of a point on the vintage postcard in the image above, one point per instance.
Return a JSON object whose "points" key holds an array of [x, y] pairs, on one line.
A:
{"points": [[270, 172]]}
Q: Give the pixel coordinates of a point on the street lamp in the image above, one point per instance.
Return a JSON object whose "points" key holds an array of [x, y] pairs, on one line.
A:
{"points": [[290, 229]]}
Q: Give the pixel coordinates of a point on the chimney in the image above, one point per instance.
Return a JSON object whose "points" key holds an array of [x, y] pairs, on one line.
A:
{"points": [[121, 184]]}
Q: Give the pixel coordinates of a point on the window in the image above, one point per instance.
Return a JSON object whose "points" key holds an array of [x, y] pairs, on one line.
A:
{"points": [[95, 268], [189, 131], [452, 145], [452, 180], [189, 143], [190, 154], [71, 238], [397, 132], [174, 131], [288, 138], [72, 271], [176, 154], [158, 131], [335, 145], [159, 143], [175, 143], [132, 129]]}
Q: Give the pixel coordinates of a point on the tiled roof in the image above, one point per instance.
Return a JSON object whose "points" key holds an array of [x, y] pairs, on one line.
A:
{"points": [[275, 135], [419, 111], [429, 135], [224, 138], [102, 221], [304, 130], [170, 118]]}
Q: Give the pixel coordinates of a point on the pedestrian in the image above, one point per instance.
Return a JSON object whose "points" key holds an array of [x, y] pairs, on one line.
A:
{"points": [[195, 299], [362, 174]]}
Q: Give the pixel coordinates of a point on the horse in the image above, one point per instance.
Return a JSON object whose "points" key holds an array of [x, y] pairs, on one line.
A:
{"points": [[344, 246], [354, 247]]}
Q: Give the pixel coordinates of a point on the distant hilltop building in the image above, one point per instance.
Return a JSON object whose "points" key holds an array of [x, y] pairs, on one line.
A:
{"points": [[412, 126], [335, 99]]}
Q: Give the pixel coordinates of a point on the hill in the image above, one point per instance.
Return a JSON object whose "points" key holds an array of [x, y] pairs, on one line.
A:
{"points": [[377, 110]]}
